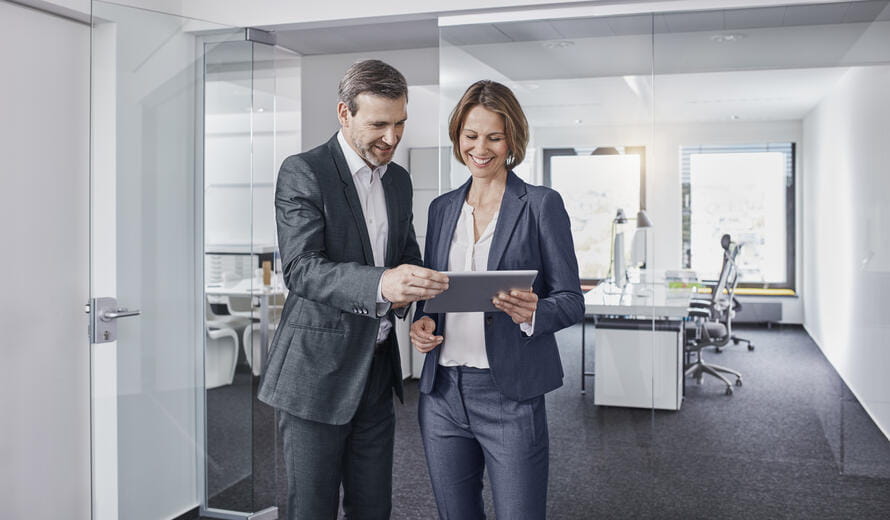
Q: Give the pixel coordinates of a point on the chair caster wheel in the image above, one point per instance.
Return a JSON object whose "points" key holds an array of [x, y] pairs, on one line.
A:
{"points": [[718, 350], [738, 382], [699, 380], [728, 390], [750, 347], [735, 341]]}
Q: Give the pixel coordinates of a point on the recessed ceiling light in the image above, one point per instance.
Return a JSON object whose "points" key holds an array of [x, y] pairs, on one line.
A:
{"points": [[578, 121], [734, 117], [557, 44], [728, 37]]}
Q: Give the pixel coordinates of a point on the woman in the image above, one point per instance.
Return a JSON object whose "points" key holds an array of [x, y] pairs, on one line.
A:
{"points": [[484, 380]]}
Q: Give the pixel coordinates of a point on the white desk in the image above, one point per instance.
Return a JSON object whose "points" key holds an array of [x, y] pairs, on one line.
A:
{"points": [[639, 344]]}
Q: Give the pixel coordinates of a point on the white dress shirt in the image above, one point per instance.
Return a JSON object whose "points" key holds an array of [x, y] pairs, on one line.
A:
{"points": [[464, 343], [369, 185]]}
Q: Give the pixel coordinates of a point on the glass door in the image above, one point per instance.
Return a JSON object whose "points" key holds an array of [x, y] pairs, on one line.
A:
{"points": [[153, 354]]}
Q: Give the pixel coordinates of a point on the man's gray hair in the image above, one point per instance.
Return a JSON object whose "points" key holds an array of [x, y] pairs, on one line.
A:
{"points": [[374, 77]]}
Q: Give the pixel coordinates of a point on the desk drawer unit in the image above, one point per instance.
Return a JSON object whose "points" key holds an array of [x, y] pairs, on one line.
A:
{"points": [[639, 363]]}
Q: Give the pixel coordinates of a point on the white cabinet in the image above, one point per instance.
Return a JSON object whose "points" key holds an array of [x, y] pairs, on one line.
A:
{"points": [[639, 363]]}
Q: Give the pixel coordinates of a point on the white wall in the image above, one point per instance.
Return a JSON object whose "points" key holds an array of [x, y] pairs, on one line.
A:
{"points": [[845, 195], [44, 194]]}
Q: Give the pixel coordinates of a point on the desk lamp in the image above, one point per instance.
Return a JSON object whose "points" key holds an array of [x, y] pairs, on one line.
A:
{"points": [[639, 249], [617, 268]]}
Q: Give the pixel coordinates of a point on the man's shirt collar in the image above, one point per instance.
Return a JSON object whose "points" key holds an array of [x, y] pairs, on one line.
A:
{"points": [[353, 160]]}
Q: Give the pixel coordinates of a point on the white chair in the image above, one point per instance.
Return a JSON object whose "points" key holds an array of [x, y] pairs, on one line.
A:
{"points": [[220, 357], [219, 321], [251, 343], [241, 306]]}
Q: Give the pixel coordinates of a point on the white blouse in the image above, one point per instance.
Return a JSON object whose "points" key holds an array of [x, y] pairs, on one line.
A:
{"points": [[464, 343]]}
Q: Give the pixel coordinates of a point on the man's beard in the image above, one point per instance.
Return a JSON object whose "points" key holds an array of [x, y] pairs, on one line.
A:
{"points": [[367, 154]]}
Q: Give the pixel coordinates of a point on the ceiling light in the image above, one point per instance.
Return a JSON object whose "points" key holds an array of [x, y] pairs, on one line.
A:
{"points": [[557, 44], [728, 37]]}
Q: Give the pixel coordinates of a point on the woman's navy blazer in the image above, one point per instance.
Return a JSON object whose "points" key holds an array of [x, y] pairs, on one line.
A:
{"points": [[532, 232]]}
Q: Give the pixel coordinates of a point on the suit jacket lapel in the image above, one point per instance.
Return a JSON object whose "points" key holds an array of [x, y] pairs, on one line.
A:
{"points": [[352, 197], [393, 208], [449, 218], [512, 205]]}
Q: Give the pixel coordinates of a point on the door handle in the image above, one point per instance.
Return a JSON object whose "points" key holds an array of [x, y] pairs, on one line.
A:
{"points": [[103, 312], [120, 313]]}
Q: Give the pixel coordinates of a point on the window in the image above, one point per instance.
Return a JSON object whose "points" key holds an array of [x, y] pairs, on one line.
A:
{"points": [[748, 192], [594, 183]]}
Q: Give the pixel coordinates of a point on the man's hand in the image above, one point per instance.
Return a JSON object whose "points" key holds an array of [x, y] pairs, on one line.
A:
{"points": [[422, 335], [519, 305], [408, 283]]}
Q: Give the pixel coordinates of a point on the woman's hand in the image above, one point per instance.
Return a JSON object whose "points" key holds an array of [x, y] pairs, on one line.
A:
{"points": [[519, 305], [422, 335]]}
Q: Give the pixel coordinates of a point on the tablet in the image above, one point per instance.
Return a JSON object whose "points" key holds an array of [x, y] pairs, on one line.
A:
{"points": [[472, 291]]}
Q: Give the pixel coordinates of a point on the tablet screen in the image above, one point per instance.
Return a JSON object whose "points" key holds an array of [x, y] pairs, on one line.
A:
{"points": [[472, 291]]}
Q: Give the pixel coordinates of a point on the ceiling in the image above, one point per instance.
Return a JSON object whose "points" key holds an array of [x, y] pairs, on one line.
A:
{"points": [[771, 63], [359, 36]]}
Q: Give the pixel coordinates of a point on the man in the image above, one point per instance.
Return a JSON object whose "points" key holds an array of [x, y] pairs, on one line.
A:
{"points": [[344, 218]]}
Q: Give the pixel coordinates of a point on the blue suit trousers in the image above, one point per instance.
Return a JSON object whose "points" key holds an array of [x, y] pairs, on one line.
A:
{"points": [[467, 426]]}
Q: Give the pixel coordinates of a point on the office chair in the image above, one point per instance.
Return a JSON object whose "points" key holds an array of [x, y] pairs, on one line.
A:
{"points": [[736, 304], [736, 307], [713, 321]]}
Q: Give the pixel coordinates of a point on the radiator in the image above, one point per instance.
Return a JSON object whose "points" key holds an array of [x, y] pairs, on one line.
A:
{"points": [[758, 312]]}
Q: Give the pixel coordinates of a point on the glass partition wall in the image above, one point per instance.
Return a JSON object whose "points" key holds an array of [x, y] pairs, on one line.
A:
{"points": [[251, 102], [763, 124], [587, 93], [769, 127]]}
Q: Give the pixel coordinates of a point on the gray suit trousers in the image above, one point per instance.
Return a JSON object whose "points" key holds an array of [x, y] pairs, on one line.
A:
{"points": [[361, 451]]}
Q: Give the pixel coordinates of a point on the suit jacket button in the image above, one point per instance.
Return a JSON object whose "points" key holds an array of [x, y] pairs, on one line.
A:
{"points": [[489, 320]]}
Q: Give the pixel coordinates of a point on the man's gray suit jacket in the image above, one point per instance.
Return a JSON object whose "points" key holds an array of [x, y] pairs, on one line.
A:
{"points": [[320, 356]]}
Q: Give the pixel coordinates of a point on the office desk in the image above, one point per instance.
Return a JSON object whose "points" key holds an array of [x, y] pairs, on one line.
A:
{"points": [[639, 344], [245, 288]]}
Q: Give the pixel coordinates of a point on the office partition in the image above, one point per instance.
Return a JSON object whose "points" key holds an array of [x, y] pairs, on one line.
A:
{"points": [[188, 127], [762, 123], [585, 85]]}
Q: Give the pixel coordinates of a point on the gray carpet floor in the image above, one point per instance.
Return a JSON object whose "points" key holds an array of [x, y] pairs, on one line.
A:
{"points": [[793, 442]]}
